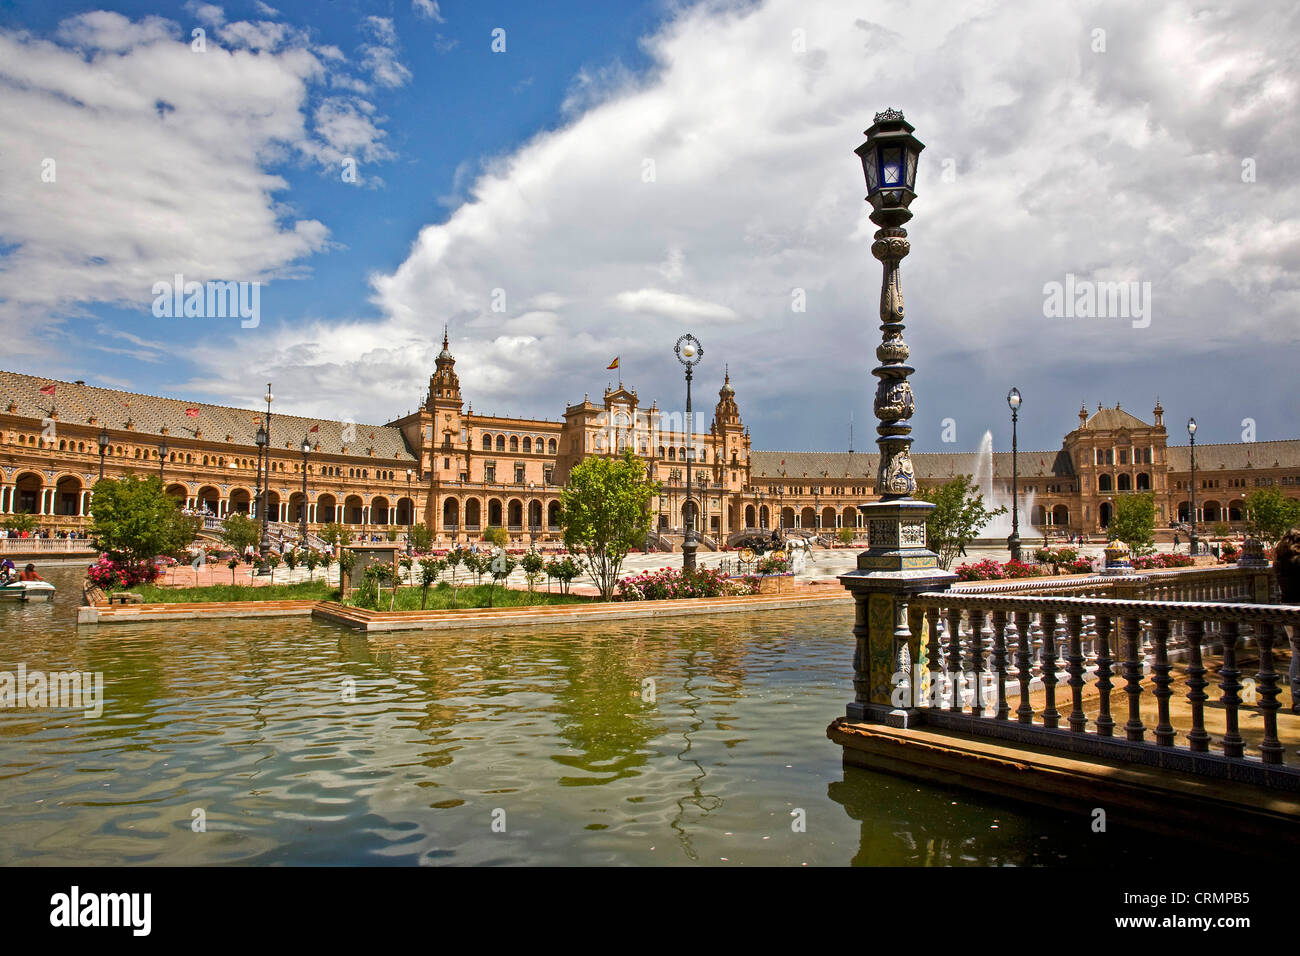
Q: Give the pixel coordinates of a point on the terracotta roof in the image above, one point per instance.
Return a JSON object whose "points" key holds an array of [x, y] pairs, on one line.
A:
{"points": [[928, 465], [1236, 455], [1115, 418], [150, 413]]}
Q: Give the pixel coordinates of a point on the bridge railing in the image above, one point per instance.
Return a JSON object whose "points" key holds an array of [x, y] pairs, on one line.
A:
{"points": [[982, 649]]}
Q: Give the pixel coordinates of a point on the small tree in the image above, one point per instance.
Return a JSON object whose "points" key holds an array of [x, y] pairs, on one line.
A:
{"points": [[430, 568], [334, 534], [134, 519], [845, 534], [272, 562], [533, 564], [18, 523], [1270, 514], [312, 559], [233, 564], [500, 564], [239, 531], [1134, 521], [605, 513], [421, 538], [499, 537], [958, 517], [347, 559], [564, 571], [291, 558]]}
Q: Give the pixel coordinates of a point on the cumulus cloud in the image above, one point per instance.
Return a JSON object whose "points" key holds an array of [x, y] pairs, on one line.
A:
{"points": [[130, 157], [428, 10]]}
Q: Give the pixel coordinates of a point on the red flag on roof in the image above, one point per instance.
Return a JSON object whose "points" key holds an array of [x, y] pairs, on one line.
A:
{"points": [[47, 389], [314, 428], [192, 412]]}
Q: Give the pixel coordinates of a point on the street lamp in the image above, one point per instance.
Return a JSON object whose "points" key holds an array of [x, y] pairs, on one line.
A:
{"points": [[306, 447], [103, 449], [162, 458], [265, 434], [689, 354], [1013, 542], [1191, 432], [410, 510]]}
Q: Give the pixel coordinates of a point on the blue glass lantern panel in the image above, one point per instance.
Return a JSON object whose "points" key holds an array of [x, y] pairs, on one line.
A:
{"points": [[891, 166]]}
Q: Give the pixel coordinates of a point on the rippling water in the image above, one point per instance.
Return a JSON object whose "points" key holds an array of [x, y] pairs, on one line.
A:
{"points": [[304, 743]]}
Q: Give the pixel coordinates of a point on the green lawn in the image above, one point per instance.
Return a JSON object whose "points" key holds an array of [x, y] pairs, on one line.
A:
{"points": [[305, 591], [440, 598]]}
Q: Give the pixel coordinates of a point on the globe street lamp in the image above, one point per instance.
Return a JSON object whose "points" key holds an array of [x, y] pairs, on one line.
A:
{"points": [[103, 450], [1191, 432], [689, 354], [410, 510], [266, 491], [306, 447], [1013, 542], [162, 458]]}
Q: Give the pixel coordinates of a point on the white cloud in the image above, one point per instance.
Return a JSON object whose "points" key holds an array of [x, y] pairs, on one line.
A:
{"points": [[427, 10], [672, 305]]}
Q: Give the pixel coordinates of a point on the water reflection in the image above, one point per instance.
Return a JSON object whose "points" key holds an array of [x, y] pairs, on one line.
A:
{"points": [[306, 743]]}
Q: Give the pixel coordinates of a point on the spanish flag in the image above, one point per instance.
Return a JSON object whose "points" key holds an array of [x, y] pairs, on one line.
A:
{"points": [[613, 364]]}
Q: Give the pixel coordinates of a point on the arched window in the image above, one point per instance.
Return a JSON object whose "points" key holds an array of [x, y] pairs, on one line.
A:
{"points": [[1125, 483], [1143, 481], [487, 442], [528, 444], [514, 442], [501, 443], [1103, 483], [550, 447]]}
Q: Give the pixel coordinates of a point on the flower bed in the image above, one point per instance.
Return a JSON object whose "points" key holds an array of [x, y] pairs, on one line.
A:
{"points": [[667, 584], [1151, 562], [111, 575]]}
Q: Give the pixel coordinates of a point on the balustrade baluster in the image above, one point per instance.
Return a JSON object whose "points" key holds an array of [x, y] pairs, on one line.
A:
{"points": [[1197, 739], [1105, 723], [976, 661], [1000, 660], [1051, 718], [934, 662], [1025, 711], [954, 658], [1036, 629], [1233, 745], [1270, 749], [1161, 668], [1090, 638], [1074, 667], [1132, 630]]}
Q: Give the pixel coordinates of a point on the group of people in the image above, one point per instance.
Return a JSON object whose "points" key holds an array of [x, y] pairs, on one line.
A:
{"points": [[9, 572], [40, 533]]}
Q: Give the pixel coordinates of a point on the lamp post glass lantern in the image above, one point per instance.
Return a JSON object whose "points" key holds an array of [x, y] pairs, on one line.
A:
{"points": [[689, 352], [1191, 434], [104, 439], [1013, 542], [306, 447], [162, 459], [265, 432]]}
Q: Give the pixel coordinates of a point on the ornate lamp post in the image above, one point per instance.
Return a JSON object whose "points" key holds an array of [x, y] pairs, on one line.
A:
{"points": [[689, 354], [162, 459], [1191, 433], [261, 439], [265, 433], [897, 563], [104, 439], [306, 447], [1013, 541], [410, 510]]}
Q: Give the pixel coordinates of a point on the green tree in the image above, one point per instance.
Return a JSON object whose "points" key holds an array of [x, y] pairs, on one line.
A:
{"points": [[421, 538], [533, 564], [1271, 514], [605, 513], [334, 533], [845, 534], [1134, 521], [500, 564], [18, 523], [238, 531], [134, 519], [430, 568], [958, 517], [497, 536], [347, 559]]}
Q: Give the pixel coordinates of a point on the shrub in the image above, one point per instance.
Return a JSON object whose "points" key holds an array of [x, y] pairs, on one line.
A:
{"points": [[114, 574], [667, 584]]}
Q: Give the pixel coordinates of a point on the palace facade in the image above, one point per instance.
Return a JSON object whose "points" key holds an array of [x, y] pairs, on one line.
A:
{"points": [[459, 472]]}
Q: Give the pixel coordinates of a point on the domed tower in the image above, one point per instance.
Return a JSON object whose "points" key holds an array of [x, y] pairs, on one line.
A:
{"points": [[1159, 413], [731, 441], [443, 405]]}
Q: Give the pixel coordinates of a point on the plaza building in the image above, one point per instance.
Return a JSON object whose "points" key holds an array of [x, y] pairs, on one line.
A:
{"points": [[460, 472]]}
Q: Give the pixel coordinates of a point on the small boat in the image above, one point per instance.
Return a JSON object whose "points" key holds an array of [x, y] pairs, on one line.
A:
{"points": [[27, 591]]}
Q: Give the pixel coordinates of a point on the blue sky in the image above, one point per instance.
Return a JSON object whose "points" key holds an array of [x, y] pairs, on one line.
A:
{"points": [[507, 194]]}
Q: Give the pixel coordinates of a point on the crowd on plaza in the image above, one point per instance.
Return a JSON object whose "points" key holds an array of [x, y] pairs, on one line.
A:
{"points": [[42, 533]]}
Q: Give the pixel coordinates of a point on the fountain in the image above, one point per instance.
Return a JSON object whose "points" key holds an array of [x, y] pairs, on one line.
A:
{"points": [[994, 534]]}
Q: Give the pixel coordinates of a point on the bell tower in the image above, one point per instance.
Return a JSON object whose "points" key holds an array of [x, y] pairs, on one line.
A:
{"points": [[444, 406]]}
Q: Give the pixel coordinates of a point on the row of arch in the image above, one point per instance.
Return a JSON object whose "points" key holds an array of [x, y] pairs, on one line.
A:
{"points": [[512, 510], [529, 444], [1124, 482]]}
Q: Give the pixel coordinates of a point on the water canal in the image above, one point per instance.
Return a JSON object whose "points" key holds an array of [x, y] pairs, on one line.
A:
{"points": [[546, 746]]}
